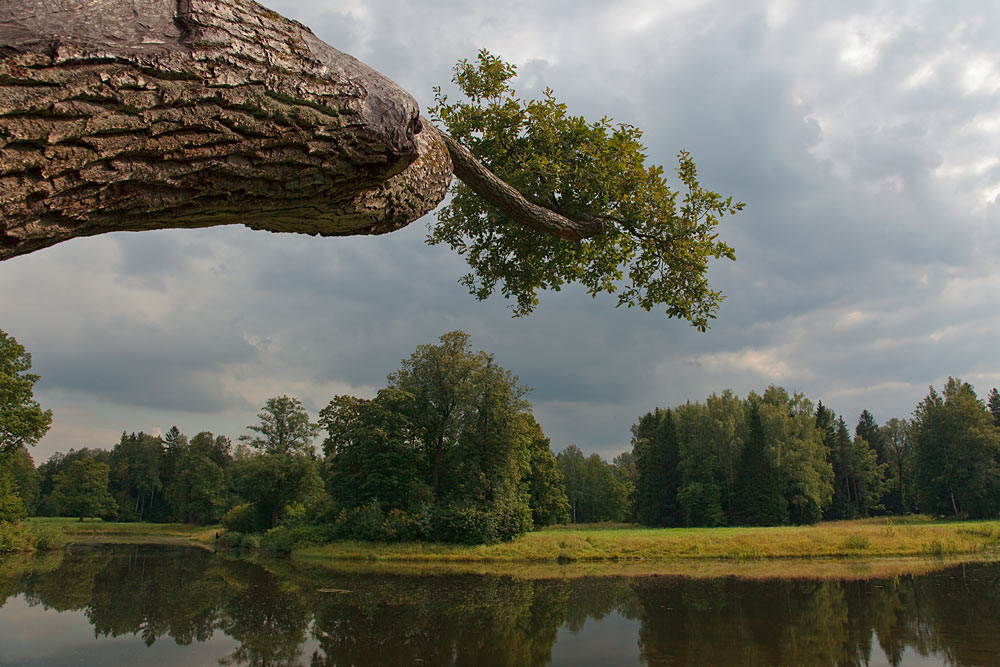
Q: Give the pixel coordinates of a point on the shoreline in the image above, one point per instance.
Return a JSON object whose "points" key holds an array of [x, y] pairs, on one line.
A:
{"points": [[614, 544]]}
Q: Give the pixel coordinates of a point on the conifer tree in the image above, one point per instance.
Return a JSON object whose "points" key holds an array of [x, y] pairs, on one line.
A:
{"points": [[759, 501]]}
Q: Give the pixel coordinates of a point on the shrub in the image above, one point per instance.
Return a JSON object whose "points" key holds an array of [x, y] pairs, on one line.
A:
{"points": [[13, 537], [857, 542], [367, 522], [284, 539], [240, 519], [242, 540], [48, 538]]}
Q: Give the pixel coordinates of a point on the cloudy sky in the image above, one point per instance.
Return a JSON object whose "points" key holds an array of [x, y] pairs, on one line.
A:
{"points": [[864, 138]]}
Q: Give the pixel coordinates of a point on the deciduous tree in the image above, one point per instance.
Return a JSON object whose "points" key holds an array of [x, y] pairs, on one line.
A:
{"points": [[546, 485], [284, 428], [82, 489], [22, 420]]}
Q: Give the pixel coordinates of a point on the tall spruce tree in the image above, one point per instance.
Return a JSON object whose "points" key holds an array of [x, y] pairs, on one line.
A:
{"points": [[654, 444], [759, 501], [868, 429]]}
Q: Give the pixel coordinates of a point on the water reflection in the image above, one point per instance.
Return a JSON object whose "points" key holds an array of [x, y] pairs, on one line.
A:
{"points": [[285, 613]]}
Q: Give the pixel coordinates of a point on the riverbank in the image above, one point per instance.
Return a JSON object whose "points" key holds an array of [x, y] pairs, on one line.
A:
{"points": [[75, 531], [864, 538], [589, 543]]}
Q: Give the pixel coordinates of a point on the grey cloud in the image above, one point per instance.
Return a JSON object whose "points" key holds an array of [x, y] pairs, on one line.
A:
{"points": [[771, 115]]}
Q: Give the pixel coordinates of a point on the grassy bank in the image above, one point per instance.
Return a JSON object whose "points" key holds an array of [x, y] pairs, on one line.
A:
{"points": [[97, 530], [867, 538], [614, 545]]}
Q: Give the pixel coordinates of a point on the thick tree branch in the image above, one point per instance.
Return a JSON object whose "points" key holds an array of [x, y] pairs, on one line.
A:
{"points": [[128, 115], [125, 115], [499, 193]]}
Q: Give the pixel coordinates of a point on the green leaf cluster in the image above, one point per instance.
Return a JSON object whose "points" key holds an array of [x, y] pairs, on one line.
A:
{"points": [[657, 241], [22, 420]]}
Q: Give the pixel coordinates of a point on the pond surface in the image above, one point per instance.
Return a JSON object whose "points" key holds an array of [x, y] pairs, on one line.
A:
{"points": [[159, 605]]}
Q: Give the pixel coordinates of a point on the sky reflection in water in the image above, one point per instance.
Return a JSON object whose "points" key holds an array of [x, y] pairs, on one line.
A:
{"points": [[178, 606]]}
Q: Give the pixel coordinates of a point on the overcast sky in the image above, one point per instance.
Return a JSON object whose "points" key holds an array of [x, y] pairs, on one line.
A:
{"points": [[864, 138]]}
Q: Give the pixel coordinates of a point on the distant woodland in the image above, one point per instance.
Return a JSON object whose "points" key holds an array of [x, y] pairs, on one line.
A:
{"points": [[449, 451]]}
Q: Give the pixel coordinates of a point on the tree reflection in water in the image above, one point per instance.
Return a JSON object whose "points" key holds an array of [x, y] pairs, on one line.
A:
{"points": [[283, 613]]}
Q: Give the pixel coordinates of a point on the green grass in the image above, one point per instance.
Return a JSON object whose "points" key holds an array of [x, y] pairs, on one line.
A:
{"points": [[866, 538], [613, 544], [97, 530]]}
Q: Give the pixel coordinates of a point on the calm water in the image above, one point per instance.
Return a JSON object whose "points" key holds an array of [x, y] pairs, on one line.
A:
{"points": [[145, 605]]}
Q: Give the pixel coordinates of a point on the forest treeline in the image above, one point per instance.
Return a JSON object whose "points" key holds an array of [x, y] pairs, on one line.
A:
{"points": [[774, 458], [449, 451]]}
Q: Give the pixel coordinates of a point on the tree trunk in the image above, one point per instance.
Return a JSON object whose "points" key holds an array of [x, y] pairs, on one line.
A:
{"points": [[128, 115], [436, 470]]}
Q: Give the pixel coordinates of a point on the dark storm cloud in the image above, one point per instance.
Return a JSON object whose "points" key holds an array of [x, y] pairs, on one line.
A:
{"points": [[859, 135]]}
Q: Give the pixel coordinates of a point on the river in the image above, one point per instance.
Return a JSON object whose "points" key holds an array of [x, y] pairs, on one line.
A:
{"points": [[164, 605]]}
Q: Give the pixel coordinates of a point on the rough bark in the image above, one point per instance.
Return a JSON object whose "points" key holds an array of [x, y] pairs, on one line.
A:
{"points": [[128, 115]]}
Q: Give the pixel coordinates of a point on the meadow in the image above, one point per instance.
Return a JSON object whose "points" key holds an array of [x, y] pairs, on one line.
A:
{"points": [[864, 538]]}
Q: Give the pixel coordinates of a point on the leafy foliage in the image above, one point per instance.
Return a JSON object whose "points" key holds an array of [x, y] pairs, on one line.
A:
{"points": [[22, 420], [656, 242], [957, 453], [276, 485], [371, 451], [82, 489], [755, 461], [19, 485], [594, 490], [545, 482], [445, 452], [284, 427]]}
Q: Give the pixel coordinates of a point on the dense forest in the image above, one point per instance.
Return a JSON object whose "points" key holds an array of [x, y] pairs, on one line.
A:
{"points": [[774, 459], [449, 451]]}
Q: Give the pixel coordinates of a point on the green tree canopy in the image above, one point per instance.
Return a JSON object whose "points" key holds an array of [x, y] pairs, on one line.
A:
{"points": [[284, 427], [276, 485], [648, 243], [899, 449], [451, 441], [594, 491], [546, 485], [994, 405], [957, 453], [654, 444], [82, 489], [372, 451], [19, 485], [22, 420]]}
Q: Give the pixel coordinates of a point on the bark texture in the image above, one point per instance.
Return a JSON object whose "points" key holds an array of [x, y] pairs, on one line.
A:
{"points": [[148, 114]]}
